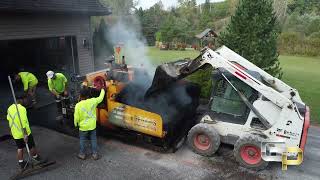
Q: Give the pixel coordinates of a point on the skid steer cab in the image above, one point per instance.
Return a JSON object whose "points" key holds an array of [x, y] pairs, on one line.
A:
{"points": [[257, 113]]}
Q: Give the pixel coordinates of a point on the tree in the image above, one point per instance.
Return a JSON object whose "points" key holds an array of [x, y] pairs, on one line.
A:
{"points": [[188, 14], [206, 20], [120, 7], [168, 28], [151, 20], [252, 34], [304, 6], [232, 5]]}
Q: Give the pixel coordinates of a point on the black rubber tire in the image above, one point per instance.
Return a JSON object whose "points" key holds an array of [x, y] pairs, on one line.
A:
{"points": [[252, 141], [210, 132], [178, 144]]}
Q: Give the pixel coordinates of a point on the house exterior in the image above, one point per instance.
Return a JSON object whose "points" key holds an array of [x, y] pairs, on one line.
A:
{"points": [[207, 38], [40, 19]]}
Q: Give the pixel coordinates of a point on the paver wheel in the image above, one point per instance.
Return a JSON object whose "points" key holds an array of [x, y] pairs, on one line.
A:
{"points": [[204, 139], [247, 152]]}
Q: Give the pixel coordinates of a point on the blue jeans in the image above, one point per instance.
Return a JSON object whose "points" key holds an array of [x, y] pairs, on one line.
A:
{"points": [[93, 139]]}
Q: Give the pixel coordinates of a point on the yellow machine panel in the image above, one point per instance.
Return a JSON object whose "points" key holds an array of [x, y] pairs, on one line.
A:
{"points": [[121, 115], [135, 119]]}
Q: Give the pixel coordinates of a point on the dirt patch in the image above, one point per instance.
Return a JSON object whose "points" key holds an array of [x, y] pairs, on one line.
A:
{"points": [[227, 167]]}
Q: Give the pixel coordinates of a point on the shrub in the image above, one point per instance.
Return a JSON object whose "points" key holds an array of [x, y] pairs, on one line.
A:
{"points": [[296, 44], [315, 35], [203, 77]]}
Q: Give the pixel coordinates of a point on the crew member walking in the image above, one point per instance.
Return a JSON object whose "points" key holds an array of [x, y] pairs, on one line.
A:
{"points": [[86, 119]]}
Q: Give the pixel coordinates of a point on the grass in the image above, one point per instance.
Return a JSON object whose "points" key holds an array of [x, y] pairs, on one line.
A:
{"points": [[159, 57], [302, 73]]}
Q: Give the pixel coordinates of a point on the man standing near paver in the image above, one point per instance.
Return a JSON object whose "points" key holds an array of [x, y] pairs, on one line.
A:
{"points": [[86, 119], [57, 84]]}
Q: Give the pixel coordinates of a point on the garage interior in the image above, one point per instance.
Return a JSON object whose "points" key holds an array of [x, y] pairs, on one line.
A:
{"points": [[36, 56]]}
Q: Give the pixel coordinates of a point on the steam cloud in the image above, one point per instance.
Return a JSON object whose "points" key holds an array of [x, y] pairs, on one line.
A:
{"points": [[135, 48], [174, 103]]}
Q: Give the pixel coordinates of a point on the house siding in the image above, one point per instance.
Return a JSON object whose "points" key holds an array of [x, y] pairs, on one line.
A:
{"points": [[30, 26], [93, 7]]}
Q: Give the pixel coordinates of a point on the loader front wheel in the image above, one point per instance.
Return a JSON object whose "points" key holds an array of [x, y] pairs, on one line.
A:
{"points": [[247, 152], [204, 139]]}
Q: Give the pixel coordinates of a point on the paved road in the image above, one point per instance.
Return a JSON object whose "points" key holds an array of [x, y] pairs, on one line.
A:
{"points": [[123, 161]]}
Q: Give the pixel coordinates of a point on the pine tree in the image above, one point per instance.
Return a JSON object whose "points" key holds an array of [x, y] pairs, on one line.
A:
{"points": [[252, 34]]}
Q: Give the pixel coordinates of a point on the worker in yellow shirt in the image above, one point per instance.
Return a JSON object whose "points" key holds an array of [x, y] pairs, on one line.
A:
{"points": [[86, 119], [21, 132], [57, 84], [29, 82]]}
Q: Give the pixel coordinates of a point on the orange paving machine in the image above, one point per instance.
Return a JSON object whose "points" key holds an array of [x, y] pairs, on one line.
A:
{"points": [[160, 118]]}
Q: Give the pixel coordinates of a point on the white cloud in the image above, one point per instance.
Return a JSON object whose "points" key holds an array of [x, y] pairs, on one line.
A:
{"points": [[145, 4]]}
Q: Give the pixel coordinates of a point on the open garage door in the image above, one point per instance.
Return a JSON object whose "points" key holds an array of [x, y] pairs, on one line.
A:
{"points": [[36, 56]]}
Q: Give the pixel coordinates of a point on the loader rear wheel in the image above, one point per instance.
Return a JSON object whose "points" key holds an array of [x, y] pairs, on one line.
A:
{"points": [[247, 152], [204, 139]]}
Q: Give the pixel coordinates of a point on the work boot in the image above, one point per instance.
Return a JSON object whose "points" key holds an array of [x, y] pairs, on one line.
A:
{"points": [[81, 156], [95, 156], [23, 165], [38, 158]]}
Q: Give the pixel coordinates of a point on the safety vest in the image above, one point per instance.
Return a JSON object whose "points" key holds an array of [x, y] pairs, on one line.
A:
{"points": [[58, 84], [14, 122], [85, 113], [28, 80]]}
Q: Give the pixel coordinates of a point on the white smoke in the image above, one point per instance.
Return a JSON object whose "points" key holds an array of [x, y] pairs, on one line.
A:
{"points": [[135, 47], [167, 103]]}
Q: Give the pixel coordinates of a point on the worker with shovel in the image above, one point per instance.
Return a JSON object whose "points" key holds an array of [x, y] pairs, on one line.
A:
{"points": [[86, 119], [29, 82], [57, 84], [21, 132]]}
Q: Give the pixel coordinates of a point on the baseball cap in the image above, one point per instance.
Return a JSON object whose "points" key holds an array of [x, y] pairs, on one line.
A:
{"points": [[50, 74]]}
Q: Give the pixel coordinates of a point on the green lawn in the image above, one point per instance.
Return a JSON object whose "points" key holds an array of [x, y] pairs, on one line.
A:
{"points": [[159, 57], [302, 73]]}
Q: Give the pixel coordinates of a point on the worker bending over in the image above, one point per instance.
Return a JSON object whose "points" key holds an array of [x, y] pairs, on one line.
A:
{"points": [[21, 134], [86, 119], [57, 84], [29, 82]]}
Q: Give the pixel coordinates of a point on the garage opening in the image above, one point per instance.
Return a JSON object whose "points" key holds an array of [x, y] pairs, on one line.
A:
{"points": [[36, 56]]}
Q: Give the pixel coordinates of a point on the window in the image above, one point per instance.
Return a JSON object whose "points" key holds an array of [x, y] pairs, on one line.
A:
{"points": [[226, 99]]}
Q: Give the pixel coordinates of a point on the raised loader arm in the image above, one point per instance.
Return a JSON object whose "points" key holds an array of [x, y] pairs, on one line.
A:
{"points": [[169, 73], [275, 83]]}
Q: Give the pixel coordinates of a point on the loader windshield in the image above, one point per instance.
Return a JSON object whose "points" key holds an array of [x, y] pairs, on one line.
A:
{"points": [[226, 100]]}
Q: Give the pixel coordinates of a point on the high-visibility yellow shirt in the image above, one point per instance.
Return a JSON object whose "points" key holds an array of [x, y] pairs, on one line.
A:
{"points": [[58, 84], [85, 113], [28, 80], [14, 122]]}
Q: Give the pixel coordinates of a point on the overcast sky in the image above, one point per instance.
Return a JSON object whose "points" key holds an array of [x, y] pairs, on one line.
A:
{"points": [[145, 4]]}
